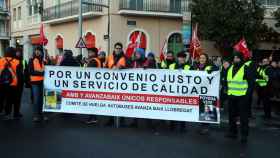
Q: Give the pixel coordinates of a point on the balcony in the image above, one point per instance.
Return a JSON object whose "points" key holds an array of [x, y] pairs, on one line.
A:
{"points": [[69, 11], [269, 10], [3, 10], [166, 8], [4, 35]]}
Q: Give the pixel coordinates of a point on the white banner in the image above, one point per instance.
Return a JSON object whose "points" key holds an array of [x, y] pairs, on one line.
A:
{"points": [[153, 93]]}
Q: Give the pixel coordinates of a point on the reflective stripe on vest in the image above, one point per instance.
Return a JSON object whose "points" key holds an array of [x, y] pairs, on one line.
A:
{"points": [[248, 63], [37, 67], [14, 63], [207, 68], [237, 86], [173, 67], [163, 65]]}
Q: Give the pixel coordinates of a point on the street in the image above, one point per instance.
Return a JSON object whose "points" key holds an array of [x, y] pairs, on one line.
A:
{"points": [[69, 137]]}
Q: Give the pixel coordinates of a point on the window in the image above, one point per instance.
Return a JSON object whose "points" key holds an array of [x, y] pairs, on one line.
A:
{"points": [[135, 36], [175, 43], [33, 7], [2, 6], [269, 2], [15, 14], [2, 27], [19, 13]]}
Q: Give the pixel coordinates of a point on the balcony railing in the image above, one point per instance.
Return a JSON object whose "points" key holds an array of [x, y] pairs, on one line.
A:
{"points": [[165, 6], [69, 9], [4, 34], [3, 9]]}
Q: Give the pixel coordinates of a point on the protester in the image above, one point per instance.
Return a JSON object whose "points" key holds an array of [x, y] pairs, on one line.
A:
{"points": [[138, 62], [238, 87], [21, 81], [68, 59], [1, 99], [36, 70], [204, 65], [10, 70], [139, 59], [116, 60], [252, 70], [92, 61], [151, 62], [102, 58], [262, 79], [223, 92], [170, 59], [180, 64]]}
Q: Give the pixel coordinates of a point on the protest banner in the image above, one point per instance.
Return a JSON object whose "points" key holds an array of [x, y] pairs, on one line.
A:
{"points": [[153, 94]]}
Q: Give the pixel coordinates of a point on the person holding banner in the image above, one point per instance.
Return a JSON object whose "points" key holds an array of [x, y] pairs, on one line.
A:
{"points": [[92, 61], [181, 64], [36, 70], [168, 60], [102, 58], [204, 65], [238, 87], [116, 60]]}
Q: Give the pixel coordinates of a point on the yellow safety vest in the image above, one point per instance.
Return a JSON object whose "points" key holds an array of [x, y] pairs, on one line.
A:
{"points": [[262, 82], [237, 86], [173, 67]]}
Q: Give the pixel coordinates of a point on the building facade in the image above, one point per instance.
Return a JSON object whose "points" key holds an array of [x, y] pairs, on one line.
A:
{"points": [[158, 21], [4, 25], [25, 24]]}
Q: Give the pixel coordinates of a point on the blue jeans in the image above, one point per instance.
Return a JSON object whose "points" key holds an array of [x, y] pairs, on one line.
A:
{"points": [[38, 95]]}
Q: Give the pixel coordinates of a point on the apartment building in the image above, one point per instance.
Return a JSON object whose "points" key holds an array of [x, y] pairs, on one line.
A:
{"points": [[25, 24], [4, 25], [157, 20]]}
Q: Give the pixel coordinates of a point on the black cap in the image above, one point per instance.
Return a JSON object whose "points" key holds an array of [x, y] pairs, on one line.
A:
{"points": [[10, 52], [238, 54]]}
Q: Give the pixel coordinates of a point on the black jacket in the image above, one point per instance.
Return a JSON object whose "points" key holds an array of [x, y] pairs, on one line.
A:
{"points": [[69, 61]]}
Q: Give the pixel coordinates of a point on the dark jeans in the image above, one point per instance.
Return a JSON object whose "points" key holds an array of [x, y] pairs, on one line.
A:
{"points": [[8, 99], [264, 97], [238, 104], [1, 99], [18, 95], [37, 91]]}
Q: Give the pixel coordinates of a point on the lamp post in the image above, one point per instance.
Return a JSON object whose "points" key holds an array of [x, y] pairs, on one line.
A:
{"points": [[81, 19]]}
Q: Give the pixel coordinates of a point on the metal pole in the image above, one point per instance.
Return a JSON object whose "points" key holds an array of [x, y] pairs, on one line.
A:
{"points": [[81, 24], [109, 29]]}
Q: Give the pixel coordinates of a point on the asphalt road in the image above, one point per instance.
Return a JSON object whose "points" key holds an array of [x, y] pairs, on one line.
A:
{"points": [[70, 137]]}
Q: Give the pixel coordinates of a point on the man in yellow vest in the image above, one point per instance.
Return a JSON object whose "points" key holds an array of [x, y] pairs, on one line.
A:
{"points": [[169, 59], [237, 88], [181, 64], [262, 79]]}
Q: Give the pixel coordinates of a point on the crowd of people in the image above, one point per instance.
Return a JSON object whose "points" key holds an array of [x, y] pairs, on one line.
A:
{"points": [[240, 78]]}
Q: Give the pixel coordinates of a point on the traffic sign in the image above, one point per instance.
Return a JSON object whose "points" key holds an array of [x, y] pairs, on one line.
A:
{"points": [[81, 43]]}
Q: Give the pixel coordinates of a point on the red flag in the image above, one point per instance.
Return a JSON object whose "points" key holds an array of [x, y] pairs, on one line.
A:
{"points": [[135, 42], [195, 47], [242, 47], [43, 39], [163, 51]]}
